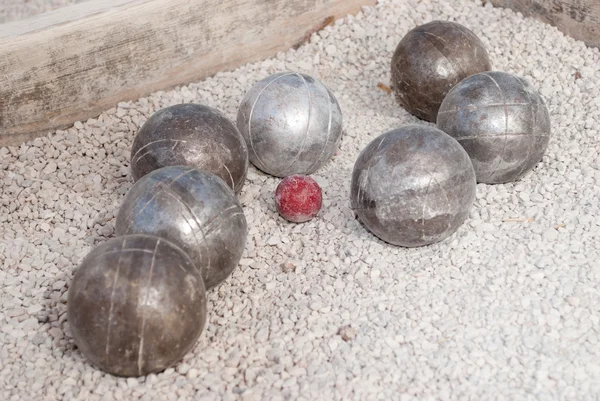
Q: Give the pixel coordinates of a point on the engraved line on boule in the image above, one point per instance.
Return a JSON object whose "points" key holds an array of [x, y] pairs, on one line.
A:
{"points": [[328, 129], [141, 345], [534, 119], [206, 245], [196, 221], [472, 36], [141, 157], [310, 106], [459, 28], [230, 216], [404, 99], [252, 112], [230, 176], [435, 36], [505, 125], [216, 216], [362, 191], [125, 250], [496, 136], [447, 202], [530, 145], [449, 208], [140, 250], [424, 205], [471, 108], [112, 298], [152, 143]]}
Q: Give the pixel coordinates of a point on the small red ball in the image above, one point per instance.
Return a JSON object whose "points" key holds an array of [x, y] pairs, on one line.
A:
{"points": [[298, 198]]}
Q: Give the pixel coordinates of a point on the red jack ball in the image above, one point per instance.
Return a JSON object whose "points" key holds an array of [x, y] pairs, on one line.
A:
{"points": [[298, 198]]}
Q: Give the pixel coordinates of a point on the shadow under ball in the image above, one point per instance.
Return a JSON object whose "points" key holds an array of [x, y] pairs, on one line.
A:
{"points": [[195, 210], [191, 135], [292, 124], [501, 121], [136, 305], [430, 60], [413, 186]]}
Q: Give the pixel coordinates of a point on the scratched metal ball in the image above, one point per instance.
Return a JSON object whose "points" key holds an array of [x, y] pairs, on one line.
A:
{"points": [[501, 121], [136, 305], [292, 124], [413, 186], [191, 135], [195, 210], [430, 60]]}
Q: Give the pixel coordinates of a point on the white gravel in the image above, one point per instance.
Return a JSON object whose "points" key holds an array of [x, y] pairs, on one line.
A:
{"points": [[506, 309], [17, 10]]}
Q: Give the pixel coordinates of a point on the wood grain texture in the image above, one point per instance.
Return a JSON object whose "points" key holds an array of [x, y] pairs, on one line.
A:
{"points": [[579, 19], [75, 62]]}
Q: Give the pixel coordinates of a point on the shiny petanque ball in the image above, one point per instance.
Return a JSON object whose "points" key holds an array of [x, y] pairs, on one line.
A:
{"points": [[292, 124], [136, 305], [194, 209], [430, 60], [191, 135], [298, 198], [501, 121], [413, 186]]}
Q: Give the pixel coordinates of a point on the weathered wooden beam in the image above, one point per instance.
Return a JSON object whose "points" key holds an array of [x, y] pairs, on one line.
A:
{"points": [[579, 19], [75, 62]]}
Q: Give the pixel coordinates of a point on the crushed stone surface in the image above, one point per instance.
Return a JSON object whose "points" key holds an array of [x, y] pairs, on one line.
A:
{"points": [[508, 308], [17, 10]]}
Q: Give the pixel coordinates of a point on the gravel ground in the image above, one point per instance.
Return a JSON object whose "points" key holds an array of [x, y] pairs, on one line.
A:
{"points": [[15, 10], [508, 308]]}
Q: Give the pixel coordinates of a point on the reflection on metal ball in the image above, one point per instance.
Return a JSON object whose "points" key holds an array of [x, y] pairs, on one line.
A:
{"points": [[195, 210], [292, 124], [430, 60], [191, 135], [136, 305], [413, 186], [501, 121]]}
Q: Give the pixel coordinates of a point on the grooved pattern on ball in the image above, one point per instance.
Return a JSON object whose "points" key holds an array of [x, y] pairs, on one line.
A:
{"points": [[292, 124], [430, 60], [194, 209], [192, 135], [502, 123], [136, 305], [413, 186]]}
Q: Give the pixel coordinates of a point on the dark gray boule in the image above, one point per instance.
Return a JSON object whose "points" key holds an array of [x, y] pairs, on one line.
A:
{"points": [[501, 121], [413, 186], [195, 210], [136, 305], [430, 60], [191, 135]]}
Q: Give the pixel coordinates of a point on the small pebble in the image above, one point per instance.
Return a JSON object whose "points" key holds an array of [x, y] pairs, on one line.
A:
{"points": [[348, 333]]}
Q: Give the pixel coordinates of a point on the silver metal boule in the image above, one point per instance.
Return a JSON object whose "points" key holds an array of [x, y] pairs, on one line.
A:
{"points": [[195, 210], [292, 124], [191, 135], [501, 121], [413, 186], [136, 305]]}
